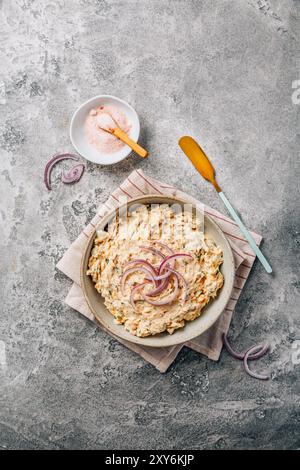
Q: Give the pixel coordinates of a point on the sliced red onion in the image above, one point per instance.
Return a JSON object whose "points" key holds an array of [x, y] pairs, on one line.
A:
{"points": [[134, 270], [73, 174], [256, 375], [161, 287], [156, 275], [264, 349], [166, 282], [165, 301], [150, 249], [163, 276], [152, 272], [49, 166], [252, 357], [170, 251], [167, 259], [158, 253], [142, 262], [163, 245], [167, 263], [134, 291], [230, 350], [185, 285]]}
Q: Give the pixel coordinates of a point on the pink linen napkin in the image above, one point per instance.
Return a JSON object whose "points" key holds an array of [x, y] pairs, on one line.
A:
{"points": [[210, 342]]}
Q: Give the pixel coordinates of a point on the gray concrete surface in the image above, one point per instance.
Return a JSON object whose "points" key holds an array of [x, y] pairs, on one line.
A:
{"points": [[219, 70]]}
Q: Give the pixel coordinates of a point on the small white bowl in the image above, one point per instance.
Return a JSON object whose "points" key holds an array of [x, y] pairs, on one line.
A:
{"points": [[78, 137]]}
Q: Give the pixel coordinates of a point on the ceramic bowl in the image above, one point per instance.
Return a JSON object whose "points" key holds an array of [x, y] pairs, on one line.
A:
{"points": [[78, 137], [191, 329]]}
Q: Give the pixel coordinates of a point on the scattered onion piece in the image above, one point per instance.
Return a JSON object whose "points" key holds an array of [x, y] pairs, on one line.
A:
{"points": [[252, 354], [49, 166], [73, 174], [252, 357], [256, 375]]}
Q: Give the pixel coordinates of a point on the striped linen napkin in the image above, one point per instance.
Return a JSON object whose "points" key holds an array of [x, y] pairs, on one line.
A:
{"points": [[210, 342]]}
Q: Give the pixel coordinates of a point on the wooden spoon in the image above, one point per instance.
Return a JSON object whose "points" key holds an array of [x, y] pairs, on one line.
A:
{"points": [[200, 161], [106, 122]]}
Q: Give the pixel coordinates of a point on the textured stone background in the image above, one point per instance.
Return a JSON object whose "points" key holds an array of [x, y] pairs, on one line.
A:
{"points": [[220, 70]]}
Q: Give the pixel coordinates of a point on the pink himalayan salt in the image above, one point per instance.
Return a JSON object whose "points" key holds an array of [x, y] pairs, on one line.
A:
{"points": [[103, 141]]}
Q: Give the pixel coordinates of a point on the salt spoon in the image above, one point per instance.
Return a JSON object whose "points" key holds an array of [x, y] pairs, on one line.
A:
{"points": [[106, 122]]}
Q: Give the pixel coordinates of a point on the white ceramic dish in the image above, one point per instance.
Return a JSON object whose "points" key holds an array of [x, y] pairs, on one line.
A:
{"points": [[192, 329], [79, 140]]}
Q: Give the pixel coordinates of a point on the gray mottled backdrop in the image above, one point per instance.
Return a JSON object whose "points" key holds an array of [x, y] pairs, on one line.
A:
{"points": [[220, 70]]}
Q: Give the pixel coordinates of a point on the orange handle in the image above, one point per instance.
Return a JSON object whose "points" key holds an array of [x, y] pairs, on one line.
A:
{"points": [[127, 140]]}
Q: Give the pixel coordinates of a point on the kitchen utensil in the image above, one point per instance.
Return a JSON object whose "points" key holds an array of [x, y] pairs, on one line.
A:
{"points": [[200, 161], [106, 122]]}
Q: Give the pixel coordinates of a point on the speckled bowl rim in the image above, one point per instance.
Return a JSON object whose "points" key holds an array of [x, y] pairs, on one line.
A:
{"points": [[163, 339]]}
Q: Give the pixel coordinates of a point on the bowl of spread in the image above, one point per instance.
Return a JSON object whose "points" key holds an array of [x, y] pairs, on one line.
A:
{"points": [[118, 262]]}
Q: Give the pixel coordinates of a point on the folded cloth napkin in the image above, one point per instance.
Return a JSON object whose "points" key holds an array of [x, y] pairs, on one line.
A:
{"points": [[210, 342]]}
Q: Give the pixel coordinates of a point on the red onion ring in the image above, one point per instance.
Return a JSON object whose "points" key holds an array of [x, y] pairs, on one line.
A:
{"points": [[162, 276], [156, 276], [134, 291], [49, 166], [163, 245], [256, 375], [73, 174], [169, 265], [164, 285], [161, 287], [172, 257], [167, 301], [170, 251], [159, 253], [185, 285], [252, 357], [134, 270], [143, 262], [152, 250]]}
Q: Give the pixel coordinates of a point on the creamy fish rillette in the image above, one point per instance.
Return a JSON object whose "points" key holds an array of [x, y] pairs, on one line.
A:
{"points": [[155, 271]]}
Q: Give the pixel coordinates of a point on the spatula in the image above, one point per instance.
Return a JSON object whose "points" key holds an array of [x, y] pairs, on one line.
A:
{"points": [[200, 161], [106, 122]]}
